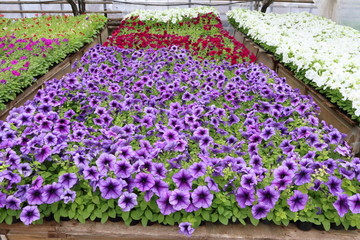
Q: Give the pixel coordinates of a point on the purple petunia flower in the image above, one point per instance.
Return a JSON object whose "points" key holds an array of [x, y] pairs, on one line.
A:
{"points": [[268, 196], [297, 201], [179, 199], [12, 202], [170, 135], [68, 196], [34, 196], [212, 185], [256, 161], [201, 197], [29, 214], [302, 176], [334, 185], [197, 169], [205, 141], [160, 187], [164, 204], [159, 170], [25, 169], [283, 172], [127, 201], [110, 188], [260, 210], [248, 181], [183, 179], [201, 132], [186, 229], [180, 145], [245, 197], [37, 183], [341, 204], [68, 180], [144, 181], [125, 153], [123, 169], [52, 193], [43, 154], [91, 173], [354, 203], [105, 161], [267, 133], [2, 199]]}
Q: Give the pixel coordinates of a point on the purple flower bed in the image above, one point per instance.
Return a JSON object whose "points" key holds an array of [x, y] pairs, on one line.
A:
{"points": [[156, 136]]}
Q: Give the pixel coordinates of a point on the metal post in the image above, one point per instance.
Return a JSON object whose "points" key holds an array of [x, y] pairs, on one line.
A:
{"points": [[105, 8]]}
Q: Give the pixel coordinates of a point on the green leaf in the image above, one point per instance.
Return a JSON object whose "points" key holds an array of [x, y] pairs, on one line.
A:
{"points": [[285, 222], [104, 207], [136, 215], [57, 216], [54, 207], [104, 218], [96, 200], [223, 220], [326, 224], [111, 203], [169, 220], [221, 210], [148, 214], [214, 217], [64, 212], [79, 200], [160, 218], [205, 215], [125, 215], [143, 205], [98, 213], [81, 219], [128, 221], [90, 208], [9, 219], [112, 213], [242, 221], [3, 215], [144, 221], [254, 221], [72, 214]]}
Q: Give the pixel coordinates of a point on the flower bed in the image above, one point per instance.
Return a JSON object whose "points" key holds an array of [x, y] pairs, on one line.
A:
{"points": [[321, 53], [29, 47], [199, 30], [156, 136]]}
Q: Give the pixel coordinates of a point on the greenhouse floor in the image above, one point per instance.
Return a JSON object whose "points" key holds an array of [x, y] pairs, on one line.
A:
{"points": [[118, 230]]}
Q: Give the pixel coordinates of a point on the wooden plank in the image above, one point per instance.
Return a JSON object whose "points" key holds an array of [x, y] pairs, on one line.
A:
{"points": [[282, 71], [267, 59], [251, 46], [118, 230], [239, 36]]}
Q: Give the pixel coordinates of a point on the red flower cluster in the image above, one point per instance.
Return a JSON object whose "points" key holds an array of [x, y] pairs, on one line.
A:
{"points": [[137, 34]]}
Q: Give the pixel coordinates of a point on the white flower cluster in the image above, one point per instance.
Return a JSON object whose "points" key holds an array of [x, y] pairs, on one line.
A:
{"points": [[328, 54], [172, 15]]}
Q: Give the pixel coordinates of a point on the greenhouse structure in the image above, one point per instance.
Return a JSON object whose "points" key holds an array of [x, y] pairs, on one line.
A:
{"points": [[184, 119]]}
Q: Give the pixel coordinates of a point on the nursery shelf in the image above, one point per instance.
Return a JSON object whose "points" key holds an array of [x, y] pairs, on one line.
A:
{"points": [[58, 71], [210, 231], [329, 112]]}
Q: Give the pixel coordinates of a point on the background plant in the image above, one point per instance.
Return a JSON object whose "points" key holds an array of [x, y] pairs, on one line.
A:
{"points": [[199, 30], [328, 59], [39, 43]]}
